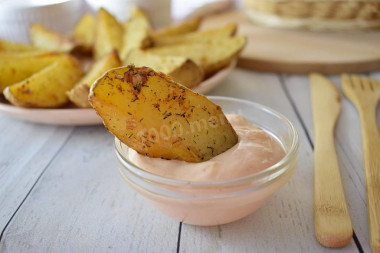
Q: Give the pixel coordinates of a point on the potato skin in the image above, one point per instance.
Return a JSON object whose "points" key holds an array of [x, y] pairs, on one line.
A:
{"points": [[186, 26], [47, 88], [160, 118]]}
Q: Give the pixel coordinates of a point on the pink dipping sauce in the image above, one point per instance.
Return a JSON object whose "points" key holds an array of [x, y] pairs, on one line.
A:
{"points": [[255, 151]]}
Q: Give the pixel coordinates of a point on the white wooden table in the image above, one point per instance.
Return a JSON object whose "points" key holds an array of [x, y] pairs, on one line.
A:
{"points": [[60, 190]]}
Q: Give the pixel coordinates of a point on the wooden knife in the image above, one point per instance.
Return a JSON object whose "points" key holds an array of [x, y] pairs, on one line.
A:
{"points": [[333, 226]]}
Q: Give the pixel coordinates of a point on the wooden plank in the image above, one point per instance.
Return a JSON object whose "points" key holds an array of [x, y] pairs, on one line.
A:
{"points": [[81, 204], [349, 149], [26, 149], [285, 223]]}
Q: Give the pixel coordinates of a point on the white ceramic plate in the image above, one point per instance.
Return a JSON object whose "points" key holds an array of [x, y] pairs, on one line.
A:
{"points": [[77, 117]]}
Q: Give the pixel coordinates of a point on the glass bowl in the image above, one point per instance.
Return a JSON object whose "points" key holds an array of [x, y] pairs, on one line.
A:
{"points": [[218, 202]]}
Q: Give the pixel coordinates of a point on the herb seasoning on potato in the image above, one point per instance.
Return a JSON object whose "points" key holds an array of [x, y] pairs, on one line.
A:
{"points": [[160, 118]]}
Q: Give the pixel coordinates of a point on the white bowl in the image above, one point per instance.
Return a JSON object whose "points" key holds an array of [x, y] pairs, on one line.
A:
{"points": [[16, 16]]}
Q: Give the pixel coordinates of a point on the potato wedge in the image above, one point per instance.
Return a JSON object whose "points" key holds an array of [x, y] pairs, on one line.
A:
{"points": [[136, 33], [79, 93], [46, 39], [84, 30], [25, 54], [16, 69], [9, 46], [138, 12], [108, 34], [188, 74], [181, 69], [48, 87], [197, 37], [210, 55], [158, 117], [186, 26]]}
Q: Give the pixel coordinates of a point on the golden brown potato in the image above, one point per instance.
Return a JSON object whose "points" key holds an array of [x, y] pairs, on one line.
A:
{"points": [[181, 69], [197, 37], [108, 34], [158, 117], [138, 12], [79, 93], [48, 87], [210, 55], [24, 54], [84, 30], [9, 46], [136, 33], [186, 26], [189, 74], [16, 69], [46, 39]]}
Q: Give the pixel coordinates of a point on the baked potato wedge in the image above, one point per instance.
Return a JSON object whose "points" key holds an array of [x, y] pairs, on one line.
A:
{"points": [[160, 118], [186, 26], [136, 32], [42, 37], [108, 34], [197, 37], [138, 12], [210, 55], [181, 69], [79, 93], [24, 54], [16, 69], [84, 31], [9, 46], [48, 87]]}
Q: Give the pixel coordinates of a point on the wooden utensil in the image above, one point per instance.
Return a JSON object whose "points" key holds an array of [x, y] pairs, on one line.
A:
{"points": [[333, 226], [365, 94]]}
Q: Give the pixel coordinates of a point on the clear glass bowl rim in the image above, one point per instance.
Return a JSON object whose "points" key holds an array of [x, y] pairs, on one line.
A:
{"points": [[261, 177]]}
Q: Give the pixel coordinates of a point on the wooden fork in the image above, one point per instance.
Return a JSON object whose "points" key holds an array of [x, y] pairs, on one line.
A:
{"points": [[365, 94]]}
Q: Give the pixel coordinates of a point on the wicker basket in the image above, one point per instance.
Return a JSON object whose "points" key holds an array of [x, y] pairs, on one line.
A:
{"points": [[316, 14]]}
